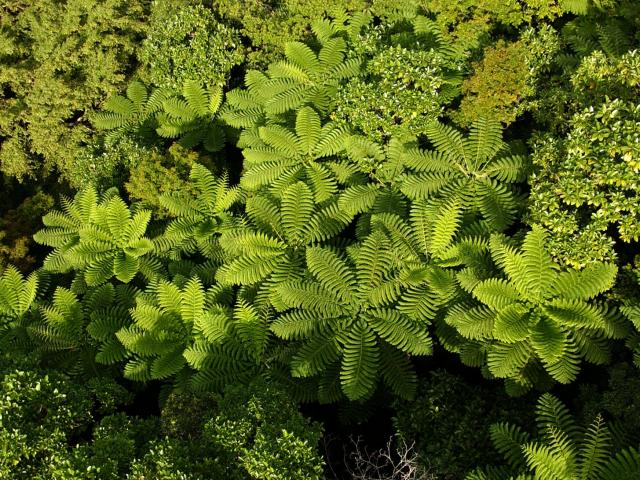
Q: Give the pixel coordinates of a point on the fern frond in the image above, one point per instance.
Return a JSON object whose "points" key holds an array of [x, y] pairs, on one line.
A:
{"points": [[332, 272], [360, 362], [315, 355], [587, 283], [296, 209], [594, 452], [400, 331], [552, 413], [508, 440], [397, 372]]}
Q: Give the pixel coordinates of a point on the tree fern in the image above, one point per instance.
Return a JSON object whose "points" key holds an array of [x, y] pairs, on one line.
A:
{"points": [[98, 236], [270, 249], [476, 171], [347, 309], [133, 114], [79, 329], [537, 313], [304, 78], [174, 328], [284, 156], [558, 453], [424, 246], [191, 117], [199, 216]]}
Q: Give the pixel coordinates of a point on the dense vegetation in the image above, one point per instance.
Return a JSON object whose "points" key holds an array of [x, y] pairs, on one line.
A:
{"points": [[240, 238]]}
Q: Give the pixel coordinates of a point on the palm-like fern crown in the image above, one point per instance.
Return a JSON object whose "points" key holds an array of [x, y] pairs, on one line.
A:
{"points": [[100, 237], [176, 327], [307, 77], [76, 332], [476, 171], [283, 156], [538, 314], [427, 246], [134, 113], [271, 249], [563, 451], [346, 314], [200, 216], [191, 117], [304, 78]]}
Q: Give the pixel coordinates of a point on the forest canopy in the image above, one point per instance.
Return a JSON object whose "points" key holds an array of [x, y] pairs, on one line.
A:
{"points": [[359, 239]]}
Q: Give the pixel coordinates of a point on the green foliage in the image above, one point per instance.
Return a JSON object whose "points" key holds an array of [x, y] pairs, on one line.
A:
{"points": [[504, 83], [177, 327], [270, 250], [631, 309], [347, 231], [52, 428], [563, 450], [42, 413], [200, 213], [587, 182], [409, 76], [252, 431], [346, 314], [191, 119], [58, 61], [97, 236], [617, 400], [278, 157], [261, 428], [77, 329], [17, 295], [187, 43], [610, 26], [538, 316], [473, 172], [450, 418]]}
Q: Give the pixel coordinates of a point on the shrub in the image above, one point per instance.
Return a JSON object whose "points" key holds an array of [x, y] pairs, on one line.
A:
{"points": [[402, 91], [18, 225], [187, 42], [504, 83], [260, 428], [43, 417], [252, 431], [586, 182], [58, 61], [450, 419], [155, 174]]}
